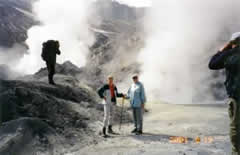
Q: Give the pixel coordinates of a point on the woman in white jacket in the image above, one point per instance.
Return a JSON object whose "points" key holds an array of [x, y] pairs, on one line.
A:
{"points": [[109, 94]]}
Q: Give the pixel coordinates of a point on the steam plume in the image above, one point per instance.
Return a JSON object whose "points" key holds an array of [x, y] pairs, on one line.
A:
{"points": [[181, 37]]}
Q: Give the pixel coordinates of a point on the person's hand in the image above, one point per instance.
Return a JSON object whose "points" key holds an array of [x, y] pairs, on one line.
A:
{"points": [[227, 46], [105, 98], [143, 106], [234, 46]]}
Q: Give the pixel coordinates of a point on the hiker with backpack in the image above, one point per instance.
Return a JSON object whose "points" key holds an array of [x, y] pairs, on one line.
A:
{"points": [[50, 50], [109, 94]]}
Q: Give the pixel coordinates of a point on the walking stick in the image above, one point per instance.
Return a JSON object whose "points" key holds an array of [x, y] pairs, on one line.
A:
{"points": [[121, 116]]}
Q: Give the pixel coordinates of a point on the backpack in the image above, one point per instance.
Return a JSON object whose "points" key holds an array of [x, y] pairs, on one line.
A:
{"points": [[44, 51], [46, 46]]}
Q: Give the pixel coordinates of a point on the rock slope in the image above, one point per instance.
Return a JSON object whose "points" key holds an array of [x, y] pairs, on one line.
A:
{"points": [[35, 112]]}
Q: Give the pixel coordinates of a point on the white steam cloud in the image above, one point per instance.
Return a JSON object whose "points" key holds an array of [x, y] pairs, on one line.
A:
{"points": [[181, 37], [66, 21], [11, 56]]}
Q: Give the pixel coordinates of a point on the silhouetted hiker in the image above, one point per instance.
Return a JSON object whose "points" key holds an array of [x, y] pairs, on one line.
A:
{"points": [[109, 94], [136, 94], [49, 53], [228, 58]]}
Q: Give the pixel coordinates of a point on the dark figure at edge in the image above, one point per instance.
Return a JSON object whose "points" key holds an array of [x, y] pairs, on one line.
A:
{"points": [[229, 59]]}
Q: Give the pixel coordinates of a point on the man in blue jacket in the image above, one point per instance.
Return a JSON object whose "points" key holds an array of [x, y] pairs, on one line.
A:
{"points": [[228, 58], [136, 94]]}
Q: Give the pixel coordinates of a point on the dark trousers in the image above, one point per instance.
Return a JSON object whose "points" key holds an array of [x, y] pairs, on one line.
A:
{"points": [[234, 114], [51, 70], [138, 118]]}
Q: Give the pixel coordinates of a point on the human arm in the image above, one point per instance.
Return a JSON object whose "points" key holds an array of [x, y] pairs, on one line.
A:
{"points": [[101, 92], [57, 46], [118, 94], [143, 95], [217, 61], [58, 52], [127, 96]]}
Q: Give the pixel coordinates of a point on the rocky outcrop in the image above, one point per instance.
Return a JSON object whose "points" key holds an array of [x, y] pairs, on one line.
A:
{"points": [[31, 109], [26, 136], [67, 68], [36, 99]]}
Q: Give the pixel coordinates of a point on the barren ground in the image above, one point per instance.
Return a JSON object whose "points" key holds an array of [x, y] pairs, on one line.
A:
{"points": [[164, 121]]}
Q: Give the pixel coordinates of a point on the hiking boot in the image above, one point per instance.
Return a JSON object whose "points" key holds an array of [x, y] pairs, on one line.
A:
{"points": [[104, 133], [50, 80], [139, 132], [110, 130], [52, 83], [134, 131]]}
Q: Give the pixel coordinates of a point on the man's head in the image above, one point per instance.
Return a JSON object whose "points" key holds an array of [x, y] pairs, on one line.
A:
{"points": [[110, 80], [135, 78], [51, 44]]}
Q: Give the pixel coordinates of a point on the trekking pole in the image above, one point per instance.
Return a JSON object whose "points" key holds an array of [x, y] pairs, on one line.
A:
{"points": [[121, 116]]}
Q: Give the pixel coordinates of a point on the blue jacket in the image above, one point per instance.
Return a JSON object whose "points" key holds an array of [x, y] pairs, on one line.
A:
{"points": [[136, 94]]}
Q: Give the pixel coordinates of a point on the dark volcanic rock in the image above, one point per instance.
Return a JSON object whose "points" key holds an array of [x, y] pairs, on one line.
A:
{"points": [[67, 68], [45, 117], [64, 110], [21, 99], [25, 135]]}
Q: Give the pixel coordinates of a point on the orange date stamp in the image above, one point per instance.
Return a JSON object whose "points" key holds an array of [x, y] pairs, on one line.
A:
{"points": [[185, 140]]}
